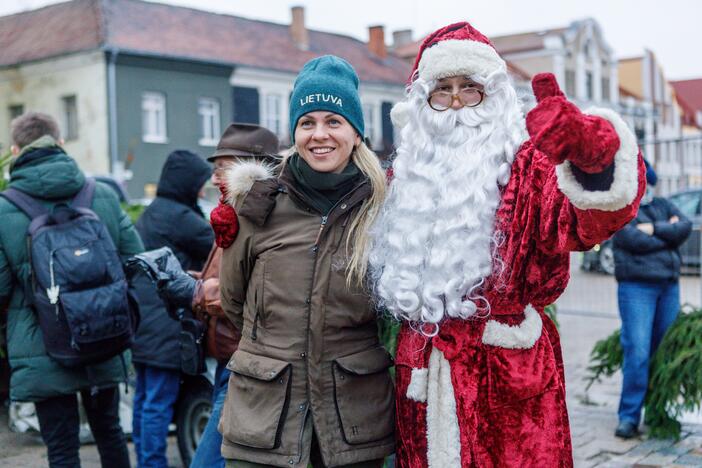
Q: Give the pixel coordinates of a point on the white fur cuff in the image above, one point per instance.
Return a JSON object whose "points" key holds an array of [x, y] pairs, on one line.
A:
{"points": [[459, 57], [626, 181], [522, 336], [242, 175], [417, 389]]}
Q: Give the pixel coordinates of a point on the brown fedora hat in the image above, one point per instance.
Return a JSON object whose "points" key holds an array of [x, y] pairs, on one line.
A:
{"points": [[241, 139]]}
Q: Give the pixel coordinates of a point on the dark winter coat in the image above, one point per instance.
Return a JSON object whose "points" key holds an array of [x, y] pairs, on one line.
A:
{"points": [[640, 257], [309, 358], [173, 220], [48, 174]]}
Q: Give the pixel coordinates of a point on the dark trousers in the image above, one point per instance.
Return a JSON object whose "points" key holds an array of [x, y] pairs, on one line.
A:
{"points": [[59, 421]]}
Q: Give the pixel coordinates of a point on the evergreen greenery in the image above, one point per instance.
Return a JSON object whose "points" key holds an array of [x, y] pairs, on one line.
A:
{"points": [[550, 311], [134, 211], [675, 378]]}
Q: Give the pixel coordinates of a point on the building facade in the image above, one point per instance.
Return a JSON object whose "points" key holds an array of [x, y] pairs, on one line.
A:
{"points": [[129, 84]]}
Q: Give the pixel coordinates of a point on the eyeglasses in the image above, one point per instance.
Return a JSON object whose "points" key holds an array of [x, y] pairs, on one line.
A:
{"points": [[467, 97]]}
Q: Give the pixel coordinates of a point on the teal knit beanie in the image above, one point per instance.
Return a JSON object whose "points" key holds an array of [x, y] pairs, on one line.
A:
{"points": [[326, 83]]}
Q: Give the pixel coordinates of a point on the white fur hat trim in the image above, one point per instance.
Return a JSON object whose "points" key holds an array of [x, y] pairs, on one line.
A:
{"points": [[454, 57]]}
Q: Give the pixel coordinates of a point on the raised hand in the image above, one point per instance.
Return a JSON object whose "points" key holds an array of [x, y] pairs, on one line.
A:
{"points": [[562, 132]]}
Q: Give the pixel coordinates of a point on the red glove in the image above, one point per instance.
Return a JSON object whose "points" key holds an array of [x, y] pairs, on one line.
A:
{"points": [[559, 130], [224, 223]]}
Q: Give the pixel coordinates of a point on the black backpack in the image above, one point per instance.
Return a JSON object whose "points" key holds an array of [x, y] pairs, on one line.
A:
{"points": [[78, 288]]}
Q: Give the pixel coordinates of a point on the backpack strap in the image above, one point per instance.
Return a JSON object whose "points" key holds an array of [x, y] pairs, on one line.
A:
{"points": [[25, 202], [84, 198]]}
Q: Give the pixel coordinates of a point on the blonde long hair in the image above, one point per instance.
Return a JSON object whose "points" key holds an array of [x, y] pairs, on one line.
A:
{"points": [[357, 240]]}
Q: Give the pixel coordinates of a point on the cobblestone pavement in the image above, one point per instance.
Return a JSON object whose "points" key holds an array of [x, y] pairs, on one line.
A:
{"points": [[587, 312]]}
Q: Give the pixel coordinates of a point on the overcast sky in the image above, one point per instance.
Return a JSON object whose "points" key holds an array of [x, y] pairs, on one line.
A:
{"points": [[670, 28]]}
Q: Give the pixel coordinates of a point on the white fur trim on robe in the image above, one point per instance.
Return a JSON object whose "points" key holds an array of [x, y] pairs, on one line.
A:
{"points": [[522, 336], [241, 176], [626, 181], [443, 436], [417, 388]]}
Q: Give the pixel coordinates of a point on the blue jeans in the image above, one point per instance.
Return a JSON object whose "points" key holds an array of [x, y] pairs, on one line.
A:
{"points": [[209, 450], [154, 399], [647, 310]]}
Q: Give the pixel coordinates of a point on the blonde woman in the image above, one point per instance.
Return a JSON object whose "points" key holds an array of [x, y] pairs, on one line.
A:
{"points": [[310, 381]]}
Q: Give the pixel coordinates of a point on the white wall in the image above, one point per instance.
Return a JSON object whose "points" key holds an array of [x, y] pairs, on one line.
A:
{"points": [[39, 86]]}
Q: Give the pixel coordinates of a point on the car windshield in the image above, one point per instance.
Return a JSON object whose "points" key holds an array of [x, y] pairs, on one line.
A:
{"points": [[688, 203]]}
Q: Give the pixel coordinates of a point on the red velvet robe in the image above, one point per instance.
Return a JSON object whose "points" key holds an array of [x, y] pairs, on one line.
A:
{"points": [[510, 397]]}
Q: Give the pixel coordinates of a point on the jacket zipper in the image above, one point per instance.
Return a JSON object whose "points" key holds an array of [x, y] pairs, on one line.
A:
{"points": [[315, 251]]}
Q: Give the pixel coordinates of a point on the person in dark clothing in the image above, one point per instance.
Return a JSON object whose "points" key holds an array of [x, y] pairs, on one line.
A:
{"points": [[173, 220], [647, 267], [42, 169]]}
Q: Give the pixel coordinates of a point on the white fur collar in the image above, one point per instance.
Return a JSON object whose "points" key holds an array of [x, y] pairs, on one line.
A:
{"points": [[241, 176]]}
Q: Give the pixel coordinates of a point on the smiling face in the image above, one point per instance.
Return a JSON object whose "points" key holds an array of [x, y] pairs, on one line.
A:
{"points": [[325, 141]]}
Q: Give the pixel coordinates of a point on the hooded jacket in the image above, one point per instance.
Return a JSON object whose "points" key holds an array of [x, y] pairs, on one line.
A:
{"points": [[309, 359], [173, 220], [45, 172]]}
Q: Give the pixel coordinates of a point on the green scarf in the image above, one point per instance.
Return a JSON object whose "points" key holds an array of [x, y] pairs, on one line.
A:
{"points": [[323, 189]]}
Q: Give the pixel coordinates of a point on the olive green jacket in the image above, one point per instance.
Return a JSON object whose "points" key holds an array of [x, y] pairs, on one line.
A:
{"points": [[48, 174], [309, 357]]}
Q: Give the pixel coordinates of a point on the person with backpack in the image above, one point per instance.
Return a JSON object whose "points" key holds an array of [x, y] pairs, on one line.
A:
{"points": [[69, 319], [172, 220]]}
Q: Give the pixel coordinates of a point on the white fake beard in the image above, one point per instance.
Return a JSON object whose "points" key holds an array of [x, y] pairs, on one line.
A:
{"points": [[433, 243]]}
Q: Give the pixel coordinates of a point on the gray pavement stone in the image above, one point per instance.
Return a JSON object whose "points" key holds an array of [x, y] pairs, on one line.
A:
{"points": [[675, 450], [618, 446], [689, 460], [656, 459]]}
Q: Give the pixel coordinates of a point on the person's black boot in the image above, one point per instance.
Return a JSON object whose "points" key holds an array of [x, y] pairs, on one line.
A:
{"points": [[626, 430]]}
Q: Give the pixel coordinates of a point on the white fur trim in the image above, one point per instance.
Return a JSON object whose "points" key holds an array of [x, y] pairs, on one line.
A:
{"points": [[459, 57], [242, 175], [400, 114], [417, 388], [522, 336], [443, 436], [626, 172]]}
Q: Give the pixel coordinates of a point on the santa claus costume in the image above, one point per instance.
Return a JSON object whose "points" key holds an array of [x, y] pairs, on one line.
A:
{"points": [[473, 242]]}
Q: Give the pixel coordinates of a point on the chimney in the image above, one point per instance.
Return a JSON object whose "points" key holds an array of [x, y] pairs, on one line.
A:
{"points": [[401, 37], [298, 31], [376, 41]]}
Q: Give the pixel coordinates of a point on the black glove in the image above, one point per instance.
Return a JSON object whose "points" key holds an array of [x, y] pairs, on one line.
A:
{"points": [[177, 291]]}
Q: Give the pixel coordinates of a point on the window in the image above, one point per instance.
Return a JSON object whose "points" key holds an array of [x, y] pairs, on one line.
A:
{"points": [[570, 82], [605, 89], [70, 117], [153, 117], [588, 85], [371, 127], [15, 110], [208, 110], [272, 113]]}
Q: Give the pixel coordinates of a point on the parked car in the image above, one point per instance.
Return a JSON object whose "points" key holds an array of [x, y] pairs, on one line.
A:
{"points": [[689, 202]]}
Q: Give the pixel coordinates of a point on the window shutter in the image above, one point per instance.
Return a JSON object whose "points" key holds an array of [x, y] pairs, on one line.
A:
{"points": [[245, 105]]}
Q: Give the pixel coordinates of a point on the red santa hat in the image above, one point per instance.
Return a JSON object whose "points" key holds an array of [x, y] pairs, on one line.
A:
{"points": [[456, 49]]}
